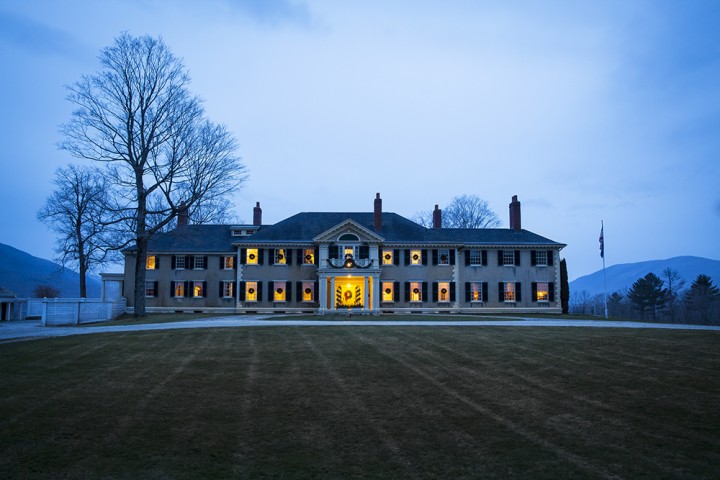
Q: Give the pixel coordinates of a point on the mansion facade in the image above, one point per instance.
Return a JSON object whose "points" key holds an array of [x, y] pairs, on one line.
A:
{"points": [[364, 262]]}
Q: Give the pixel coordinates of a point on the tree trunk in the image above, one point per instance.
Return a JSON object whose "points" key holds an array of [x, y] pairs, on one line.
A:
{"points": [[139, 291], [83, 280]]}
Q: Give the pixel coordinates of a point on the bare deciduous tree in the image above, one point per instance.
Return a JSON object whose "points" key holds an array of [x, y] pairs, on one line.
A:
{"points": [[74, 212], [138, 116], [674, 283], [464, 211]]}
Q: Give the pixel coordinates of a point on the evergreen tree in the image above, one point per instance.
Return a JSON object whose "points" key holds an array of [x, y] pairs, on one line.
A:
{"points": [[564, 288], [702, 301], [648, 295]]}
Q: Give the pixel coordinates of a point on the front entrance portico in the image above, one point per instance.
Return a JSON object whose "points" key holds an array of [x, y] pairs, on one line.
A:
{"points": [[349, 292]]}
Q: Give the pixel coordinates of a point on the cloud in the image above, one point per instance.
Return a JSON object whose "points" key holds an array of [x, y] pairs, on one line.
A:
{"points": [[35, 37]]}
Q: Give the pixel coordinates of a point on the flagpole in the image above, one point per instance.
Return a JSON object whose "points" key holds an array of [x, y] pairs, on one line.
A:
{"points": [[602, 254]]}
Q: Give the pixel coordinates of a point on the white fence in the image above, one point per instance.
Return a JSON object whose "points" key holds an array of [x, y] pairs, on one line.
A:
{"points": [[76, 311]]}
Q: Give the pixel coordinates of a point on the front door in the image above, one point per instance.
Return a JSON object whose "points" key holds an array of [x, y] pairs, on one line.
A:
{"points": [[349, 292]]}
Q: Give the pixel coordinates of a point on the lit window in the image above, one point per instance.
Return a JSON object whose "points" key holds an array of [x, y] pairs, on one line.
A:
{"points": [[151, 288], [508, 257], [388, 292], [308, 291], [476, 292], [251, 292], [228, 263], [349, 251], [279, 293], [198, 289], [415, 291], [444, 256], [387, 257], [309, 256], [199, 263], [543, 292], [252, 256], [415, 257], [151, 262], [475, 257], [280, 256], [509, 292], [443, 291], [179, 289], [179, 263], [228, 289]]}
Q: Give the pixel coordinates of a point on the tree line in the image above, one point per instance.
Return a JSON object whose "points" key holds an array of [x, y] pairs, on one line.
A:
{"points": [[657, 299]]}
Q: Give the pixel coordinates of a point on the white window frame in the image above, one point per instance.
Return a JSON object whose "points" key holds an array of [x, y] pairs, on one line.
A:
{"points": [[443, 297], [151, 262], [475, 258], [446, 253], [509, 293], [311, 253], [387, 297], [251, 292], [388, 257], [255, 254], [541, 258], [195, 285], [198, 259], [180, 262], [228, 260], [228, 289], [416, 297], [508, 258], [476, 290], [546, 291], [308, 297], [179, 286], [280, 256], [413, 253], [150, 287], [280, 296]]}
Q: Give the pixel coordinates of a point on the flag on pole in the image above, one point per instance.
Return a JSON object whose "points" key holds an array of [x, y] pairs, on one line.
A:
{"points": [[602, 241]]}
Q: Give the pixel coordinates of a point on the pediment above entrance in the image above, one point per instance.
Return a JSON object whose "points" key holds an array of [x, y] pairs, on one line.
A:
{"points": [[346, 230]]}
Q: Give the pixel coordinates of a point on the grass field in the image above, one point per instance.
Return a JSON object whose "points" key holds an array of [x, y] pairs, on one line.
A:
{"points": [[363, 402]]}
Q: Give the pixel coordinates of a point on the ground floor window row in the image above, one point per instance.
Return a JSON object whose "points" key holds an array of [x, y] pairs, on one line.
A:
{"points": [[191, 289]]}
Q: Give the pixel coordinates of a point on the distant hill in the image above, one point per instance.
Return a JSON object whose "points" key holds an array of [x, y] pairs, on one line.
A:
{"points": [[624, 275], [20, 273]]}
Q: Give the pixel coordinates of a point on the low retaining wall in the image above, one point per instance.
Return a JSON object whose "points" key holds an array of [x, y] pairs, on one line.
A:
{"points": [[76, 311]]}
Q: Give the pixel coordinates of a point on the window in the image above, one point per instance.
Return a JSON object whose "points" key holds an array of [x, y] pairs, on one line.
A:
{"points": [[508, 257], [308, 292], [543, 292], [228, 263], [388, 292], [151, 288], [415, 257], [475, 292], [387, 257], [199, 263], [179, 264], [509, 292], [279, 293], [349, 250], [151, 262], [541, 258], [443, 257], [198, 289], [228, 289], [252, 256], [251, 292], [179, 289], [279, 258], [443, 291], [309, 256], [415, 291], [476, 257]]}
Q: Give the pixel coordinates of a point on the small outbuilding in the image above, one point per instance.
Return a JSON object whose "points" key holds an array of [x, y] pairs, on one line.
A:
{"points": [[11, 308]]}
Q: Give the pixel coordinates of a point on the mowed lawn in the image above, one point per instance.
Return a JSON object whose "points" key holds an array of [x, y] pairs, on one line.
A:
{"points": [[363, 402]]}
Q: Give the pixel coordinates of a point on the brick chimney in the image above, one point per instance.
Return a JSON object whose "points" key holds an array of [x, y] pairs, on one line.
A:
{"points": [[257, 215], [437, 217], [182, 215], [378, 213], [515, 214]]}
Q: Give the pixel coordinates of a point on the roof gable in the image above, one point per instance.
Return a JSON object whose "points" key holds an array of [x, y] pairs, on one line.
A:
{"points": [[350, 227]]}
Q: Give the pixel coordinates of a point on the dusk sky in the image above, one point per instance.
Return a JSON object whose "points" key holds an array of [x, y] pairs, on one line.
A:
{"points": [[587, 111]]}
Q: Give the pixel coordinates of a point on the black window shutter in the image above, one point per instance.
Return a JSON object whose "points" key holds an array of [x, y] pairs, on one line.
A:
{"points": [[298, 292], [300, 256], [288, 293], [205, 262], [172, 262], [518, 292], [241, 291], [333, 251], [533, 258], [468, 291], [534, 291], [261, 256], [484, 292], [517, 258], [157, 262], [501, 292], [172, 289], [288, 256], [407, 257], [467, 257], [452, 291], [434, 258], [551, 291], [220, 290], [259, 291], [407, 291], [364, 251], [205, 291], [452, 256], [424, 291], [424, 256], [317, 255], [396, 257], [396, 291], [188, 289], [189, 262], [317, 291], [500, 258], [435, 289], [550, 257], [155, 287], [243, 256], [484, 258]]}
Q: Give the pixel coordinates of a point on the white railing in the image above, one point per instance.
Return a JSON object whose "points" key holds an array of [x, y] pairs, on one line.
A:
{"points": [[76, 311]]}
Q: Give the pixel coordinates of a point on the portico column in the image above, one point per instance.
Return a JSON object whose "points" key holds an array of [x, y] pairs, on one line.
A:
{"points": [[332, 293], [377, 293], [366, 303]]}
